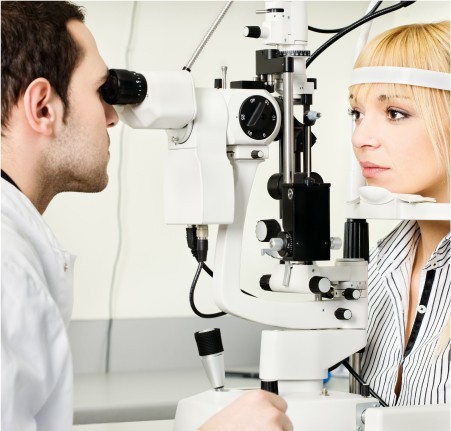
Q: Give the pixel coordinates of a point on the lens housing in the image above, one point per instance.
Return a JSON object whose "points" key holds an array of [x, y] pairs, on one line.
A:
{"points": [[124, 87]]}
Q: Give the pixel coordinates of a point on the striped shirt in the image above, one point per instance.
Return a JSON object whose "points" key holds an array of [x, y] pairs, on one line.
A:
{"points": [[426, 370]]}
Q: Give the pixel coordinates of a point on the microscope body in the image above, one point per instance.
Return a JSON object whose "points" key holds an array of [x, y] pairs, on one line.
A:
{"points": [[217, 137]]}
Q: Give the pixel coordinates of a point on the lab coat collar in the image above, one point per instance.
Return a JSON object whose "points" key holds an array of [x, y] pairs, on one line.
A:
{"points": [[57, 263]]}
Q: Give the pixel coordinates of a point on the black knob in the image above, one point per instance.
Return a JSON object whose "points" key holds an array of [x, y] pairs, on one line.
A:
{"points": [[343, 314], [218, 83], [124, 87], [264, 282], [252, 31], [287, 248], [351, 294], [356, 242], [209, 342], [319, 284], [275, 186], [365, 390], [267, 229], [257, 117], [257, 154]]}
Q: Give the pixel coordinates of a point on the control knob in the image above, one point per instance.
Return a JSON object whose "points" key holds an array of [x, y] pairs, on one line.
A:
{"points": [[267, 229], [319, 284], [343, 314]]}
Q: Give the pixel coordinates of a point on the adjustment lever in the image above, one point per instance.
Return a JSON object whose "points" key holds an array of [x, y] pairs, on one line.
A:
{"points": [[211, 352]]}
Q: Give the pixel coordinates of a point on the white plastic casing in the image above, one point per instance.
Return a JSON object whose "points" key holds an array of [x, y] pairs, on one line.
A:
{"points": [[379, 203], [288, 28], [199, 183], [199, 186], [170, 102]]}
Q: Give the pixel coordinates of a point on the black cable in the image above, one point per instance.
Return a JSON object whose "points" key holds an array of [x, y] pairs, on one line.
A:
{"points": [[192, 242], [362, 382], [337, 30], [353, 26], [207, 269], [334, 367], [191, 296]]}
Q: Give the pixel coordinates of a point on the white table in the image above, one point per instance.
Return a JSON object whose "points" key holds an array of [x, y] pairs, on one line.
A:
{"points": [[140, 396]]}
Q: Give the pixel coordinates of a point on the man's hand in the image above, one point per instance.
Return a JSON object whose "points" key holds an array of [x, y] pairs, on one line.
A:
{"points": [[254, 411]]}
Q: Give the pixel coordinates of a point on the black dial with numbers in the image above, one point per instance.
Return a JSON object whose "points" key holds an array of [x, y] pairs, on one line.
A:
{"points": [[258, 117]]}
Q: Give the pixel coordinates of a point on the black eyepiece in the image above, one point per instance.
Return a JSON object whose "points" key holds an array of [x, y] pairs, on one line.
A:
{"points": [[124, 87]]}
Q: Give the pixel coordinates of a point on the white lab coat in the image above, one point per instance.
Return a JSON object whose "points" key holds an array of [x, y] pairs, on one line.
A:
{"points": [[36, 295]]}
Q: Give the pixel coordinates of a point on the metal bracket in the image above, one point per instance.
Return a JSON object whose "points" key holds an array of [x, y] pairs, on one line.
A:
{"points": [[287, 274], [360, 414]]}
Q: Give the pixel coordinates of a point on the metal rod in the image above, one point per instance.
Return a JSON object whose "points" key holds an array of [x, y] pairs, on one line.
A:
{"points": [[308, 152], [355, 362], [224, 76], [208, 35], [288, 130]]}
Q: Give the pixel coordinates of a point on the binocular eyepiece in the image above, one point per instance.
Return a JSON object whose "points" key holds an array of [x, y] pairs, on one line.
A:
{"points": [[124, 87]]}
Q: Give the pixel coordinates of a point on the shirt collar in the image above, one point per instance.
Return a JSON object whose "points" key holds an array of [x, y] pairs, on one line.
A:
{"points": [[440, 256], [6, 177], [397, 246], [401, 243]]}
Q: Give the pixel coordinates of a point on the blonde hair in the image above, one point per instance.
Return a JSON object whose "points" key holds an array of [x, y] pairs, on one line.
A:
{"points": [[420, 46]]}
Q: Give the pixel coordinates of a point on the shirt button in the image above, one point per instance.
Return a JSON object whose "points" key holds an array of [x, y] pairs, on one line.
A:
{"points": [[421, 309], [66, 267]]}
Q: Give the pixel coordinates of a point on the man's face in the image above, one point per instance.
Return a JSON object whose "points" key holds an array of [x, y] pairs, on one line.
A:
{"points": [[79, 156]]}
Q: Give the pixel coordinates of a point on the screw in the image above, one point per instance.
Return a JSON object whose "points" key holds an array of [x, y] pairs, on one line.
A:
{"points": [[290, 194]]}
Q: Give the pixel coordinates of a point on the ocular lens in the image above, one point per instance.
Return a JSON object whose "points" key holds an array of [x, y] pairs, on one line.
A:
{"points": [[124, 87]]}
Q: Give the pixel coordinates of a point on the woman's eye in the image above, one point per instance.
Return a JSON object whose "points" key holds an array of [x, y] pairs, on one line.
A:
{"points": [[356, 115], [396, 115]]}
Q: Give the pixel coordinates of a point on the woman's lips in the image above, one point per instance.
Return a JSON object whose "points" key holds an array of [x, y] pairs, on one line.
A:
{"points": [[370, 170]]}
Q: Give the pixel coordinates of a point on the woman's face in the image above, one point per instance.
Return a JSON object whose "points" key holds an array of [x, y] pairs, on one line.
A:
{"points": [[393, 148]]}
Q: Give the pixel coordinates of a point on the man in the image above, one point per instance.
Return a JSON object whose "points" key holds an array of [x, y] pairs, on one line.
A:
{"points": [[54, 139]]}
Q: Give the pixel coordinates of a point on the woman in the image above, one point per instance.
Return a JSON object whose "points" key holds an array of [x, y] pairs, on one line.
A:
{"points": [[402, 142]]}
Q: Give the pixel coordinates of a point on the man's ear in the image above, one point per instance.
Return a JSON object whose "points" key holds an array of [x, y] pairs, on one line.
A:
{"points": [[42, 106]]}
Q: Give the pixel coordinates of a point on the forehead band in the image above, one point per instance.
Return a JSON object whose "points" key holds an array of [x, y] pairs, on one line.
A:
{"points": [[401, 75]]}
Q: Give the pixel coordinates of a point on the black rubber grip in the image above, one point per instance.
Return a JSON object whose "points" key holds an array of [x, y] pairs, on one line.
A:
{"points": [[270, 386], [209, 342]]}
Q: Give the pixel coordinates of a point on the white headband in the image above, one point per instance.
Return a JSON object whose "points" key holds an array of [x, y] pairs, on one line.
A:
{"points": [[401, 75]]}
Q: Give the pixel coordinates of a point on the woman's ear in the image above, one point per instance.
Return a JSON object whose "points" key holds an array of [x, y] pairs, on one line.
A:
{"points": [[42, 107]]}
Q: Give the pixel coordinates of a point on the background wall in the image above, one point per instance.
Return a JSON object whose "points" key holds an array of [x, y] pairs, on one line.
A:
{"points": [[155, 268]]}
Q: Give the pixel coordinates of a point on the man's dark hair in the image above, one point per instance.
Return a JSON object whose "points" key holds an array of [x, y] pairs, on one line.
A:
{"points": [[37, 44]]}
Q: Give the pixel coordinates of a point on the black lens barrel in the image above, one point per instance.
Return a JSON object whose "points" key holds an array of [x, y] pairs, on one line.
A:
{"points": [[124, 87]]}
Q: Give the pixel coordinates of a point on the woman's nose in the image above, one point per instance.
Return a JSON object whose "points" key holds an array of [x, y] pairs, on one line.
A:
{"points": [[366, 134]]}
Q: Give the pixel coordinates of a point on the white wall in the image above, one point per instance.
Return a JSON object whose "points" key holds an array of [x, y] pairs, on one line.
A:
{"points": [[155, 267]]}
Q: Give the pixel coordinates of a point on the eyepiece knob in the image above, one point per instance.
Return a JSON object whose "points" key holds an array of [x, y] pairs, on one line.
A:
{"points": [[124, 87], [252, 31]]}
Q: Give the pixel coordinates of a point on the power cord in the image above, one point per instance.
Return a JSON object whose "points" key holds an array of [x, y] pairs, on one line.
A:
{"points": [[337, 30], [191, 297], [199, 249], [353, 26], [351, 370]]}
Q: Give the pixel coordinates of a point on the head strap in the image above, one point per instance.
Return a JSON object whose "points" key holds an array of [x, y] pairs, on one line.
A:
{"points": [[401, 75]]}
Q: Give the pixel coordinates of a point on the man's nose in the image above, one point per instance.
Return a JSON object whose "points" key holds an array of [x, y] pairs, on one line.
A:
{"points": [[111, 115]]}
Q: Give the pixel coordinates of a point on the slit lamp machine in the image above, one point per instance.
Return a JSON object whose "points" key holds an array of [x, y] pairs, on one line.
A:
{"points": [[217, 138]]}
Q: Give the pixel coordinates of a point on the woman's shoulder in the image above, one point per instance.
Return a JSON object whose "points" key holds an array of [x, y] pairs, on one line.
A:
{"points": [[395, 246]]}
